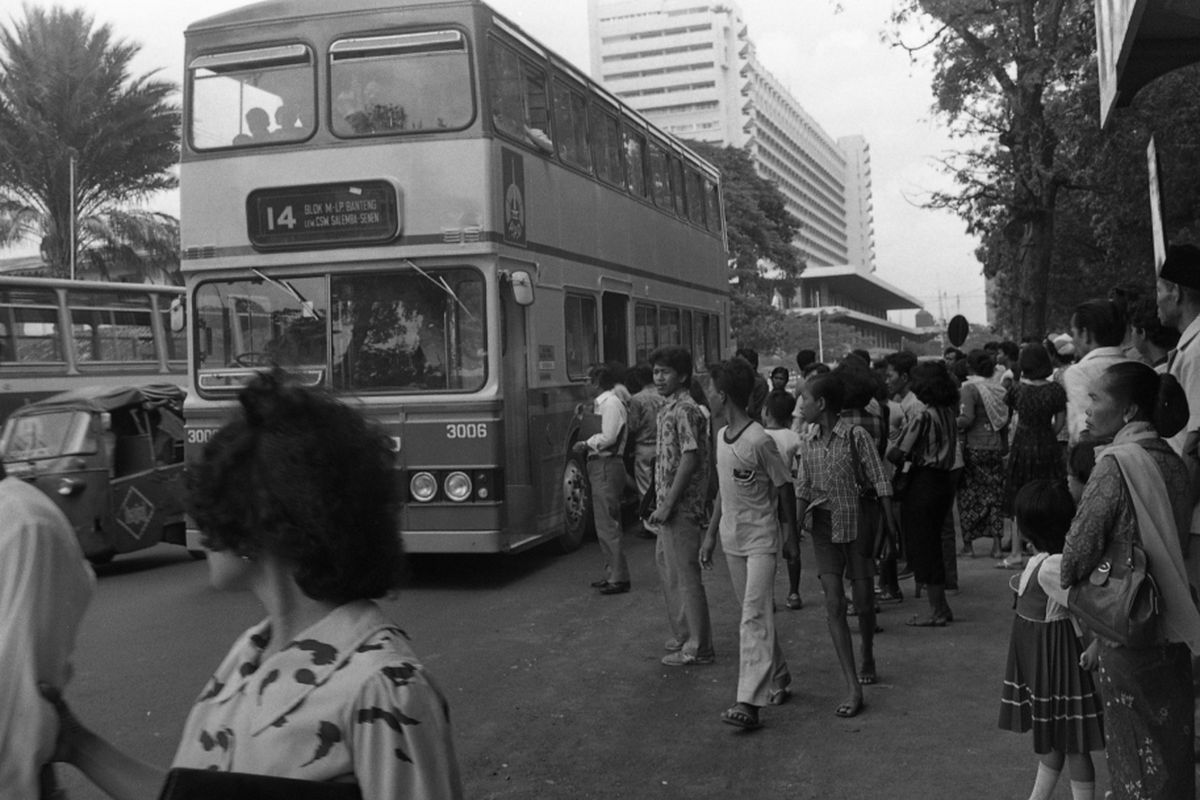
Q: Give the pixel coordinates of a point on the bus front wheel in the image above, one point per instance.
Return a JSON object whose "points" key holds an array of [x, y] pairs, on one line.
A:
{"points": [[577, 505]]}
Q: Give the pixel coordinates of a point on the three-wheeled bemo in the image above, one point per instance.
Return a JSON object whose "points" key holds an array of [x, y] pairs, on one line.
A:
{"points": [[111, 457]]}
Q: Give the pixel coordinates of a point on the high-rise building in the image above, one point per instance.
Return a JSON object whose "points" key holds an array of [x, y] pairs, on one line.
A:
{"points": [[691, 68]]}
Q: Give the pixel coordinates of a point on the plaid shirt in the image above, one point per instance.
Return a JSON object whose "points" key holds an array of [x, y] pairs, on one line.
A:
{"points": [[825, 475]]}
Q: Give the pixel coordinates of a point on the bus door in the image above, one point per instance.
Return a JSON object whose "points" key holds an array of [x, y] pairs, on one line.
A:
{"points": [[523, 417], [614, 313]]}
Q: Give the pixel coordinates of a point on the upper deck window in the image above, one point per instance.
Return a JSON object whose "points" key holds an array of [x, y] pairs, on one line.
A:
{"points": [[519, 102], [401, 83], [251, 98]]}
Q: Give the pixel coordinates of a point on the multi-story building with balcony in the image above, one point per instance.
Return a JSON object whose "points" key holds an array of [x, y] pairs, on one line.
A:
{"points": [[692, 69]]}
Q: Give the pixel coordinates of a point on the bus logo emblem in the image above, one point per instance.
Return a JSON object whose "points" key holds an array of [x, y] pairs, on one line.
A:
{"points": [[513, 171]]}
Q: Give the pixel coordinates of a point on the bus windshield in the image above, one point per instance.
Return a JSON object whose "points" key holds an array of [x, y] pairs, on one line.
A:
{"points": [[402, 83], [410, 331], [48, 435], [250, 98]]}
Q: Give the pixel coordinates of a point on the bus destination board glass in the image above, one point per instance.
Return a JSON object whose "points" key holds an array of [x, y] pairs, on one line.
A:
{"points": [[323, 215]]}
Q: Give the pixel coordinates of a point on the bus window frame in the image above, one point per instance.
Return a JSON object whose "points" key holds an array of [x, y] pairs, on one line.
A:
{"points": [[584, 297], [598, 107], [524, 58], [379, 33], [573, 89], [189, 98]]}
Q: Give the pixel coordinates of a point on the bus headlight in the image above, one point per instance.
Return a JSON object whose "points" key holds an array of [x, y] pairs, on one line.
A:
{"points": [[457, 486], [423, 487]]}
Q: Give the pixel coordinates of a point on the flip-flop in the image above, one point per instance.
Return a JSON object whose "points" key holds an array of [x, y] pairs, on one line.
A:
{"points": [[848, 710], [926, 622], [867, 677], [738, 718]]}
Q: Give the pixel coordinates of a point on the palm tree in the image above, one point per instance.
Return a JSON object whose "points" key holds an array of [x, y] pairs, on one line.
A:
{"points": [[66, 94]]}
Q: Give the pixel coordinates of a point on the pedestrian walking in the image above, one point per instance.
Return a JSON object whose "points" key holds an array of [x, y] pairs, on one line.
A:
{"points": [[606, 474], [296, 500], [777, 415], [45, 587], [838, 466], [746, 513], [929, 443], [681, 477], [643, 432], [1040, 407], [1048, 687], [983, 422]]}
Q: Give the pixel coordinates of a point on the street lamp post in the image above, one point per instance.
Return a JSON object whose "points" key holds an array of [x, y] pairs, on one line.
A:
{"points": [[820, 336]]}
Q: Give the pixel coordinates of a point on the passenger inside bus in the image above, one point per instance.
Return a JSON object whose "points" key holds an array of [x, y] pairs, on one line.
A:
{"points": [[258, 121], [291, 126]]}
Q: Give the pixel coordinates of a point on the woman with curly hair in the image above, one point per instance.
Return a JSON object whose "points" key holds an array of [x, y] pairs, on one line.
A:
{"points": [[296, 500], [929, 443]]}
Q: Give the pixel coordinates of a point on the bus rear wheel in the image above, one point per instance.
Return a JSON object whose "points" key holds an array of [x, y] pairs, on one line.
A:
{"points": [[577, 505]]}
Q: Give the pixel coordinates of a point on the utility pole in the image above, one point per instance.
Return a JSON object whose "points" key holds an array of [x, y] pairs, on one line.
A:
{"points": [[71, 153]]}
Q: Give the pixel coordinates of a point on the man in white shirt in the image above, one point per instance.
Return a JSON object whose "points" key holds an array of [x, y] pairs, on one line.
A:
{"points": [[1178, 298], [606, 474], [1097, 329]]}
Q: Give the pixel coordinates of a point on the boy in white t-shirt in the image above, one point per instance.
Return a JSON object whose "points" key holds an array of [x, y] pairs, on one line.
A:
{"points": [[750, 473]]}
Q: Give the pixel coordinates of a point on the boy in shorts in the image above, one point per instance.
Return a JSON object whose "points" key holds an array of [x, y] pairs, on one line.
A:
{"points": [[828, 482]]}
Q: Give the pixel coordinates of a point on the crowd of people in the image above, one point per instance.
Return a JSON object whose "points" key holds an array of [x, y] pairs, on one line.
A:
{"points": [[1071, 452], [1056, 451]]}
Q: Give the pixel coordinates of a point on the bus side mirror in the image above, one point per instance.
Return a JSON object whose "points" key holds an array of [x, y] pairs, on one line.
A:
{"points": [[522, 287], [178, 315]]}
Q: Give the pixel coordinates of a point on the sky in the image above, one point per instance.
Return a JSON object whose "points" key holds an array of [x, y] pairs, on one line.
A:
{"points": [[834, 62]]}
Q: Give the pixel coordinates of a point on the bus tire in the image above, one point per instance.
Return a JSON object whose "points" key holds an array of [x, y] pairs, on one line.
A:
{"points": [[577, 505]]}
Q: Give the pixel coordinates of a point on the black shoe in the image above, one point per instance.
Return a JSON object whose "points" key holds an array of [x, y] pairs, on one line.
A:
{"points": [[615, 588], [600, 584]]}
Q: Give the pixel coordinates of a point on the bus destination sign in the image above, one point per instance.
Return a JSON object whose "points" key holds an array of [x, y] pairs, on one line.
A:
{"points": [[323, 215]]}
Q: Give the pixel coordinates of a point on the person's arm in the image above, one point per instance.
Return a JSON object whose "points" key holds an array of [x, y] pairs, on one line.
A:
{"points": [[118, 774], [1093, 526], [688, 462], [791, 525], [966, 409], [1060, 419], [710, 536]]}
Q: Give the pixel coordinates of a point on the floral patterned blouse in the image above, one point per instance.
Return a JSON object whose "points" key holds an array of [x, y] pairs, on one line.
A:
{"points": [[348, 700], [682, 428], [1106, 509]]}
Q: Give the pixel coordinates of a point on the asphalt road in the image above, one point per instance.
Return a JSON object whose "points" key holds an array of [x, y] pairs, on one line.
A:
{"points": [[557, 692]]}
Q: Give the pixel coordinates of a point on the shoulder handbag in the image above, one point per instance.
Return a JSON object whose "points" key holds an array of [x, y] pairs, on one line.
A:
{"points": [[1119, 601]]}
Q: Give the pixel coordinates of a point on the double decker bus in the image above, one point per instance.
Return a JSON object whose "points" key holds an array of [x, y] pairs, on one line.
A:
{"points": [[57, 335], [416, 205]]}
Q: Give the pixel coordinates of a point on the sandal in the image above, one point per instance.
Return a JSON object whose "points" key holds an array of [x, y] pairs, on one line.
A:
{"points": [[794, 602], [847, 710], [917, 621], [778, 698], [737, 716]]}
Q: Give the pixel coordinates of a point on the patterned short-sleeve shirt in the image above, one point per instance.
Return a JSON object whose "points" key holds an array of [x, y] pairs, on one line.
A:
{"points": [[347, 700], [682, 428]]}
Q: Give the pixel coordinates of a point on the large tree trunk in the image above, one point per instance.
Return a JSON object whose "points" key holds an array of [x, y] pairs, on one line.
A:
{"points": [[1036, 255]]}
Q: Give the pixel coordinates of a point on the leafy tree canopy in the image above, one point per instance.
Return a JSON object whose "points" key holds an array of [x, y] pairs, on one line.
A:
{"points": [[66, 92], [760, 230]]}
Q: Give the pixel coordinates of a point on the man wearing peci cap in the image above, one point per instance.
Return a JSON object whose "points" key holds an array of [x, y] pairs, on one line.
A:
{"points": [[1178, 299]]}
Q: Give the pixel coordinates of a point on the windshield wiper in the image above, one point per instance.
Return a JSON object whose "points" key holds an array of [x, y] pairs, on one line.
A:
{"points": [[440, 282], [307, 309]]}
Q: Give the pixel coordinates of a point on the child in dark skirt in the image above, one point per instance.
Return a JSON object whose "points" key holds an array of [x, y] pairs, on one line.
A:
{"points": [[1048, 685]]}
